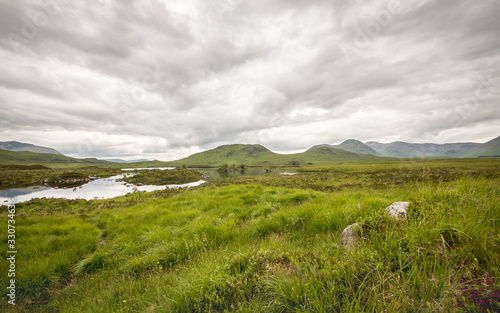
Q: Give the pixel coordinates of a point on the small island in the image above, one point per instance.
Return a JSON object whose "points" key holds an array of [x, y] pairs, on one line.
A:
{"points": [[164, 177]]}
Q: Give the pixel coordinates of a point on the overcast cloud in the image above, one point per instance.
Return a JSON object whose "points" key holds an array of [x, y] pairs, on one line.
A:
{"points": [[165, 79]]}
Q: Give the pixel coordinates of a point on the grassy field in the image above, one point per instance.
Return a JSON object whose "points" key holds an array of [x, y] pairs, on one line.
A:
{"points": [[270, 244]]}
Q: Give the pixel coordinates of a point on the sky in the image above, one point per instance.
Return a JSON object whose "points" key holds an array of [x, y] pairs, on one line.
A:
{"points": [[165, 79]]}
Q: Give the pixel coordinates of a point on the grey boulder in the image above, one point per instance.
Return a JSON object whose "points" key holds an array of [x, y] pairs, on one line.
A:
{"points": [[349, 237], [398, 209]]}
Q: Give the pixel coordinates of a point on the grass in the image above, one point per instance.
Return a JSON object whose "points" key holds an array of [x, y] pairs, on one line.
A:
{"points": [[164, 177], [271, 244], [374, 174]]}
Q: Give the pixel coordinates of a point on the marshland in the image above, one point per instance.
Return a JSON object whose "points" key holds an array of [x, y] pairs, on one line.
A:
{"points": [[268, 243]]}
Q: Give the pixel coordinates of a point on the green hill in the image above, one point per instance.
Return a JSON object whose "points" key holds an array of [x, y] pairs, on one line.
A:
{"points": [[488, 149], [259, 155], [20, 146], [232, 154], [25, 157]]}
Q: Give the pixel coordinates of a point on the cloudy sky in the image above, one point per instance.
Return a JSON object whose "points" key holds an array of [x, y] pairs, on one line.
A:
{"points": [[162, 79]]}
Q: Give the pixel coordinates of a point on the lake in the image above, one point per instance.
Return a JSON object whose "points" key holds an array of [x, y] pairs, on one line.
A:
{"points": [[111, 187], [104, 188]]}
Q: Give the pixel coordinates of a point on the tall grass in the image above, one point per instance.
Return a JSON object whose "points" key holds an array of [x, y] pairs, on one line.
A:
{"points": [[255, 248], [48, 248]]}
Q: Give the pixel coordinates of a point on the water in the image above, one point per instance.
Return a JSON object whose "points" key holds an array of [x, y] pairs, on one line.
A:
{"points": [[105, 188], [148, 168], [213, 174]]}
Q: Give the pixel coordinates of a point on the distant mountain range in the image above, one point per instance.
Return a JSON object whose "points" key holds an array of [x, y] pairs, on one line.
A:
{"points": [[401, 149], [20, 146], [23, 153], [351, 145]]}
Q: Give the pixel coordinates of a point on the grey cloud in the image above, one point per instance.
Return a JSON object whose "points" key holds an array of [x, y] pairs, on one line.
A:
{"points": [[156, 77]]}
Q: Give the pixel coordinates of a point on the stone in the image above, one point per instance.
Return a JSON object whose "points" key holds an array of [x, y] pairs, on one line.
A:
{"points": [[349, 237], [398, 209]]}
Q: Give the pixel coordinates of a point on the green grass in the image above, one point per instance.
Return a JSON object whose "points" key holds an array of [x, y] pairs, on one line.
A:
{"points": [[165, 177], [271, 244]]}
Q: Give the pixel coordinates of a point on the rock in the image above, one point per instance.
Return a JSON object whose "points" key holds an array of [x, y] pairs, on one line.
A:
{"points": [[348, 238], [140, 184], [397, 209]]}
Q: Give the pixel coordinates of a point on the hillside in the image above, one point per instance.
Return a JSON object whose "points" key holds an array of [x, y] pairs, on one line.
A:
{"points": [[327, 154], [351, 145], [20, 146], [25, 157], [231, 154], [401, 149], [259, 155], [488, 149]]}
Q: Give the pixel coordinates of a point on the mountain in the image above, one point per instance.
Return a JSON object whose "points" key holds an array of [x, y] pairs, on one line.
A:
{"points": [[20, 146], [26, 157], [401, 149], [351, 145], [259, 155], [488, 149], [328, 154]]}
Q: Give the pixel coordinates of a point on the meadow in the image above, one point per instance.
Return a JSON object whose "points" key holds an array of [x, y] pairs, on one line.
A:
{"points": [[270, 244]]}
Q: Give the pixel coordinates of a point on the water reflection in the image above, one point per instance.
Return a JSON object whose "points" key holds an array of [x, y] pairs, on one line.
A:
{"points": [[105, 188], [148, 168], [214, 174]]}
